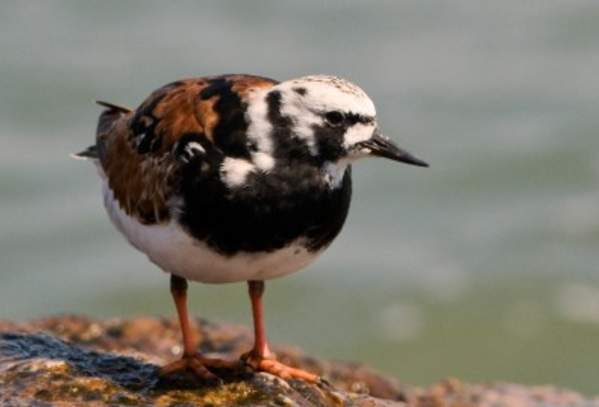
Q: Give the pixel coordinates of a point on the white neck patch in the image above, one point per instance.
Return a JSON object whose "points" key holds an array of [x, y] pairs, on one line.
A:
{"points": [[259, 130]]}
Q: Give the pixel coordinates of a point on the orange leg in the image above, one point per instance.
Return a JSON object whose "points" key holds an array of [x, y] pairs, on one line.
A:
{"points": [[260, 358], [191, 360]]}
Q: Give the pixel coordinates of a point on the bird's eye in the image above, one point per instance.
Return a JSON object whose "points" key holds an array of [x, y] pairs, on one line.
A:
{"points": [[334, 118]]}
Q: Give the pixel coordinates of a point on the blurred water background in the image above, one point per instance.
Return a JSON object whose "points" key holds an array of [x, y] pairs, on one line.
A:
{"points": [[483, 267]]}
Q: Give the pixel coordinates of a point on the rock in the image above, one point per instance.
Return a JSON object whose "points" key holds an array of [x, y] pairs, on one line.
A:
{"points": [[75, 360], [72, 359]]}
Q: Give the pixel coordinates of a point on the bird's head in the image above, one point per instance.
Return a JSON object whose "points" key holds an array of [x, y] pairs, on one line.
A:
{"points": [[333, 121]]}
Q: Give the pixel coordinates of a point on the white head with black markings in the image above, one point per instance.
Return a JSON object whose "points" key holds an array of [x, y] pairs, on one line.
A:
{"points": [[332, 118]]}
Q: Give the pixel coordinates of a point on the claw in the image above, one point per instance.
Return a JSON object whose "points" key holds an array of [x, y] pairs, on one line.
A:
{"points": [[278, 369]]}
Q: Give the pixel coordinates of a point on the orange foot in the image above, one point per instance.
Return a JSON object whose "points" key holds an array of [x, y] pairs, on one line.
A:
{"points": [[269, 365], [199, 365]]}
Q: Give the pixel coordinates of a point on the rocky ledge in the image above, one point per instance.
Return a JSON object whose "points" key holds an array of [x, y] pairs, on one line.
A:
{"points": [[72, 360]]}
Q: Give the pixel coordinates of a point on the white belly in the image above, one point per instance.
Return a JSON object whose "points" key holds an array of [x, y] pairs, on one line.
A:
{"points": [[174, 251]]}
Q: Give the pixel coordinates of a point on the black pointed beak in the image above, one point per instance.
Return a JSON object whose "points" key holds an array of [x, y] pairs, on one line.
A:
{"points": [[382, 146]]}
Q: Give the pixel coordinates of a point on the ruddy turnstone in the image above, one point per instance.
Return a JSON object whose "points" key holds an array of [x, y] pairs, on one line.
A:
{"points": [[235, 178]]}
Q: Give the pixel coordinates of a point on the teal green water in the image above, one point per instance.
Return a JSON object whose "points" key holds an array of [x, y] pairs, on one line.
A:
{"points": [[483, 267]]}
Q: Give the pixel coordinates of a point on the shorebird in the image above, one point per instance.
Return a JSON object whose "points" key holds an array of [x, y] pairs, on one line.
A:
{"points": [[236, 178]]}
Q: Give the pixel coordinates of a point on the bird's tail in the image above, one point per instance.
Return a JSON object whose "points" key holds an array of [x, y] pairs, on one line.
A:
{"points": [[113, 108], [106, 119], [89, 153]]}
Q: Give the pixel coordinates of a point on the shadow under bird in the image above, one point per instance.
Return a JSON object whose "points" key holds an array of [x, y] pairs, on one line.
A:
{"points": [[235, 178]]}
